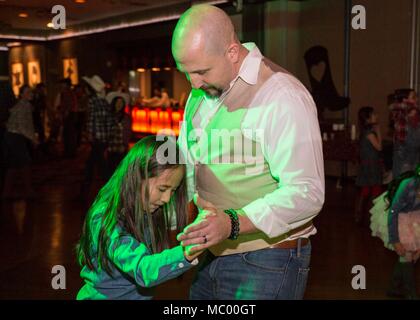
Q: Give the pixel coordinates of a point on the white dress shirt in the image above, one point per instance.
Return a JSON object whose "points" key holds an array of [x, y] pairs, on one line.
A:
{"points": [[291, 144]]}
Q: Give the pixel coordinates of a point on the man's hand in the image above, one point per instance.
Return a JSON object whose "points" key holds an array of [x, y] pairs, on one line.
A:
{"points": [[211, 227], [203, 236]]}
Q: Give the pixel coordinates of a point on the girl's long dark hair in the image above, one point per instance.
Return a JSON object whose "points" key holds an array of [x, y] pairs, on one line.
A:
{"points": [[119, 202], [395, 184], [364, 114]]}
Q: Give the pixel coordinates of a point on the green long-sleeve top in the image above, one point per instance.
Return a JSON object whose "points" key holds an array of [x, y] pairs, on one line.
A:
{"points": [[134, 269]]}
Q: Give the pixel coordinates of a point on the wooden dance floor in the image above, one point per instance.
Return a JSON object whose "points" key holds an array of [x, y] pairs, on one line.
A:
{"points": [[41, 233]]}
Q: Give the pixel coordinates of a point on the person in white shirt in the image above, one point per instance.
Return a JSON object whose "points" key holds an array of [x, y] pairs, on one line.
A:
{"points": [[160, 99], [257, 196]]}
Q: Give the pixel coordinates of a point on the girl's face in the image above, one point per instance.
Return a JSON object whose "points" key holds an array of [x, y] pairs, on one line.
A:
{"points": [[162, 187]]}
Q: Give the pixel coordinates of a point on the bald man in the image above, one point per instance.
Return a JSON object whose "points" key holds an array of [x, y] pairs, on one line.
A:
{"points": [[257, 195]]}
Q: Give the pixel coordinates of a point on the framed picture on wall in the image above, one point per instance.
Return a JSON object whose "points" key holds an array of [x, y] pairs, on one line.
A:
{"points": [[34, 73], [70, 70], [17, 77]]}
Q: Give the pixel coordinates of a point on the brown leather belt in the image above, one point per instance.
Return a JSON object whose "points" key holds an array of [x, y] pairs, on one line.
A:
{"points": [[293, 244]]}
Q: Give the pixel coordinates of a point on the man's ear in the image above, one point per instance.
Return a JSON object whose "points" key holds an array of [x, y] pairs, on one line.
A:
{"points": [[233, 52]]}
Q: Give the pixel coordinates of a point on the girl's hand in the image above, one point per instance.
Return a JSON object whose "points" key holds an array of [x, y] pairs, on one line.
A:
{"points": [[190, 256], [399, 248]]}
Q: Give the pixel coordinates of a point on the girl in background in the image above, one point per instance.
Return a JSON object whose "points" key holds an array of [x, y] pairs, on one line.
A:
{"points": [[405, 118], [369, 177], [120, 134], [396, 220], [404, 197]]}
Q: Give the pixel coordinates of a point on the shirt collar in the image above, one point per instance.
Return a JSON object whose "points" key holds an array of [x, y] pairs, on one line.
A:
{"points": [[248, 71], [251, 64]]}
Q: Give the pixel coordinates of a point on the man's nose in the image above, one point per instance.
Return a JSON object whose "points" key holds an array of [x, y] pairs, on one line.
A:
{"points": [[196, 82]]}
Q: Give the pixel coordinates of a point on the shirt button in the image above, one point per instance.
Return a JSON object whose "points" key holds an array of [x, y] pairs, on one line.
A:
{"points": [[181, 265]]}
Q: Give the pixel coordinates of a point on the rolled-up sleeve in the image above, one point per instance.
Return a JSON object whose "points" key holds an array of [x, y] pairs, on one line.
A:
{"points": [[292, 146]]}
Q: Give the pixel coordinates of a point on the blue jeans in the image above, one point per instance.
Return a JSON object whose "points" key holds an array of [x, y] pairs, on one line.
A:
{"points": [[267, 274]]}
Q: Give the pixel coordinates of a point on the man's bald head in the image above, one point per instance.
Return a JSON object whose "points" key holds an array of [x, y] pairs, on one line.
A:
{"points": [[206, 49], [205, 28]]}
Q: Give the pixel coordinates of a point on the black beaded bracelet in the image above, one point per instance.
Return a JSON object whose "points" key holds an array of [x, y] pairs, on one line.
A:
{"points": [[233, 215]]}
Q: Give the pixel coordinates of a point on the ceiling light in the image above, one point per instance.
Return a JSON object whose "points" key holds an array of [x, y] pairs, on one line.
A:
{"points": [[141, 69], [23, 15], [50, 25], [167, 69], [80, 1], [155, 69]]}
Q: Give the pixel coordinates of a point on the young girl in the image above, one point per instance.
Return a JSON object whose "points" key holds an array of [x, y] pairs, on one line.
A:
{"points": [[124, 244], [369, 177], [396, 220]]}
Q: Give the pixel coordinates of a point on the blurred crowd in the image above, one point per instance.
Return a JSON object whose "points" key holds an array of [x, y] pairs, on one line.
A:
{"points": [[85, 113]]}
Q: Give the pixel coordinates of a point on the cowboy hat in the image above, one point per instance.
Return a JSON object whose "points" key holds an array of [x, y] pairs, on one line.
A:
{"points": [[96, 83], [114, 94]]}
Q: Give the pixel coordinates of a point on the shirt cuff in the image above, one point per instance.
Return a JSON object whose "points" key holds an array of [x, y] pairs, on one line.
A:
{"points": [[261, 216], [183, 261]]}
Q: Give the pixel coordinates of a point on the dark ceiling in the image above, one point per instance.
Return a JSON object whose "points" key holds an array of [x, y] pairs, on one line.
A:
{"points": [[92, 15]]}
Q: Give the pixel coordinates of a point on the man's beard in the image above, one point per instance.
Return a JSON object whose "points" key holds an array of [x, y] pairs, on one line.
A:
{"points": [[212, 91]]}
